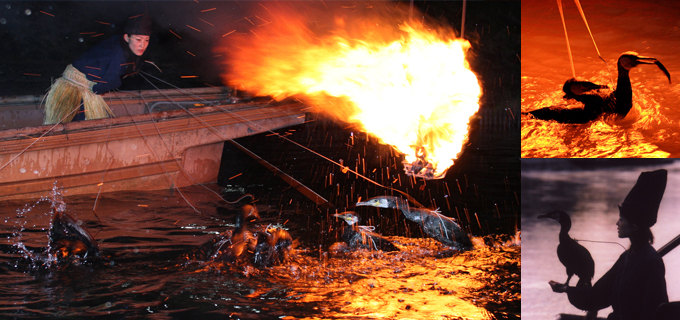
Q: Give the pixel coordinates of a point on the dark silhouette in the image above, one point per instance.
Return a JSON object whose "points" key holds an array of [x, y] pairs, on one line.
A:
{"points": [[574, 257], [598, 99]]}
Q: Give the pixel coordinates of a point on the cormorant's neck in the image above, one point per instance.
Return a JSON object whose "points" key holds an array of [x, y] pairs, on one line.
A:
{"points": [[623, 92], [564, 230]]}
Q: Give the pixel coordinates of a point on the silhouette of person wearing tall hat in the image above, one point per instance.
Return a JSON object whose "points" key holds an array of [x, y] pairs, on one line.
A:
{"points": [[636, 285]]}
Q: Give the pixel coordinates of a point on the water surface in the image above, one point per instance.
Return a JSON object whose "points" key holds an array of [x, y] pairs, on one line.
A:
{"points": [[648, 28]]}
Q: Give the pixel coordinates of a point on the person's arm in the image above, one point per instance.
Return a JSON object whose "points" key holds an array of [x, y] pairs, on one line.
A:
{"points": [[109, 79], [591, 298]]}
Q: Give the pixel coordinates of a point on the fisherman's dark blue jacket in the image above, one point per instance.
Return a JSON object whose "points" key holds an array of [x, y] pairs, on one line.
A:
{"points": [[106, 63]]}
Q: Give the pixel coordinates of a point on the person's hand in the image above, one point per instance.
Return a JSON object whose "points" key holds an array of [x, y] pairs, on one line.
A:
{"points": [[558, 287]]}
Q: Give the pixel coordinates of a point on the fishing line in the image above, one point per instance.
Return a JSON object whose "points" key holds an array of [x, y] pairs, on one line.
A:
{"points": [[578, 5], [37, 139], [156, 156], [410, 198], [564, 25], [609, 242]]}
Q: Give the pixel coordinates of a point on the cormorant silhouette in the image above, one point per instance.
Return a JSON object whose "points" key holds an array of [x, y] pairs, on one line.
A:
{"points": [[574, 257], [598, 99]]}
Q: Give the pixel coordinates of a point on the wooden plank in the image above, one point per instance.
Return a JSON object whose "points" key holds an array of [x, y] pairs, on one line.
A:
{"points": [[16, 189], [147, 128]]}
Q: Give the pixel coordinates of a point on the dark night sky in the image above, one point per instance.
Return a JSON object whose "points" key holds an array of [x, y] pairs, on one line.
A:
{"points": [[40, 38]]}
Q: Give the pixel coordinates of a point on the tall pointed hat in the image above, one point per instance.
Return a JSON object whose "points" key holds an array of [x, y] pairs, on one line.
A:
{"points": [[641, 205]]}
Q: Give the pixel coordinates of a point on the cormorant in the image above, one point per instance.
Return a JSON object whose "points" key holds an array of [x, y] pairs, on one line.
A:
{"points": [[250, 241], [357, 236], [599, 99], [434, 224], [573, 256], [69, 241]]}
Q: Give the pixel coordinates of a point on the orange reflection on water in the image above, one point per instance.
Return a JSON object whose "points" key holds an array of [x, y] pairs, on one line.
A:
{"points": [[607, 137]]}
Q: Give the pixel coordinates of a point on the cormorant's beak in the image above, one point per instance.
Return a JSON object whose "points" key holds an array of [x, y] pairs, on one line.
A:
{"points": [[650, 60], [341, 216]]}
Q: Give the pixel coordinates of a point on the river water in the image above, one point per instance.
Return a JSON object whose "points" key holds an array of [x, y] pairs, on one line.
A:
{"points": [[589, 191], [649, 28], [146, 233]]}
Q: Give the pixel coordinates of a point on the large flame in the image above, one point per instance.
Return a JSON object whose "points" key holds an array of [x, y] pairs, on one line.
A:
{"points": [[407, 84]]}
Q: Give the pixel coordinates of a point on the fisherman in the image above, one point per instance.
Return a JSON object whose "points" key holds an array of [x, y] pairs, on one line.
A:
{"points": [[635, 286], [76, 95]]}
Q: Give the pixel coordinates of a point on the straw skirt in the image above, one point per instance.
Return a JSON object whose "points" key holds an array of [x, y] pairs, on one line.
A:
{"points": [[66, 95]]}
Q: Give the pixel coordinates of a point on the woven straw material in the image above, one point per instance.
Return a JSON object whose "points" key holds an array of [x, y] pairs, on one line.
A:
{"points": [[65, 96]]}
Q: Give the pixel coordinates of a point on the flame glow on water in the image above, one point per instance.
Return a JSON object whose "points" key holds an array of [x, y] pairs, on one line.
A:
{"points": [[405, 83]]}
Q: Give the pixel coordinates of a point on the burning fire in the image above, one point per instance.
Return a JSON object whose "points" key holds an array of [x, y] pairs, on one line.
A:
{"points": [[405, 83]]}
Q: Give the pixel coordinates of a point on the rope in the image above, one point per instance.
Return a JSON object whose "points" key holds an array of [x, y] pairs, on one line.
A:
{"points": [[610, 242], [564, 25], [219, 134], [578, 5]]}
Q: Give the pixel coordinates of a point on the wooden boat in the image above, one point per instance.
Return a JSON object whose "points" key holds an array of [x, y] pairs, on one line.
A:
{"points": [[151, 144]]}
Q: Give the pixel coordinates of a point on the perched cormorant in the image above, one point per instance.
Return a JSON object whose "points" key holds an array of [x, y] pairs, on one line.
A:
{"points": [[573, 256], [357, 236], [434, 224], [69, 241], [263, 245], [599, 99]]}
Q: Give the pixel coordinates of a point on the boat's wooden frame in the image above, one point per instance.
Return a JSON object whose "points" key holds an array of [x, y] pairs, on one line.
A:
{"points": [[141, 151]]}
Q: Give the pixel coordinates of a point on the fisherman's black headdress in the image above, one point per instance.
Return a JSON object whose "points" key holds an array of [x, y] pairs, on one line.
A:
{"points": [[140, 25], [641, 205]]}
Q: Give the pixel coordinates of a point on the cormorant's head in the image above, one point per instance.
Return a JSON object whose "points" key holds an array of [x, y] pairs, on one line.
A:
{"points": [[379, 202], [348, 216], [629, 60], [248, 214], [559, 215]]}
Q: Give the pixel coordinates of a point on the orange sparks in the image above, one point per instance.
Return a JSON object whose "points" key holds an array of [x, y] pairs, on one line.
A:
{"points": [[186, 77], [100, 184], [49, 14], [87, 32], [139, 15], [176, 35], [235, 176], [106, 23], [193, 28], [32, 74], [206, 22], [191, 53], [143, 205], [93, 68], [232, 31], [408, 84], [96, 35], [206, 10]]}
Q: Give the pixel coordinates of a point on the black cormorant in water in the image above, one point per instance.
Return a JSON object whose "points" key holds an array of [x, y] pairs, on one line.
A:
{"points": [[433, 224], [249, 242], [69, 241], [357, 236], [573, 256], [598, 99]]}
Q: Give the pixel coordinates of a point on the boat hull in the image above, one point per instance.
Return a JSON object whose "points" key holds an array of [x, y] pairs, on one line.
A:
{"points": [[150, 151]]}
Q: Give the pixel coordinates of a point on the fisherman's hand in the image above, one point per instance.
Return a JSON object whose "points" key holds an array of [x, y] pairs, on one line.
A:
{"points": [[558, 287]]}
